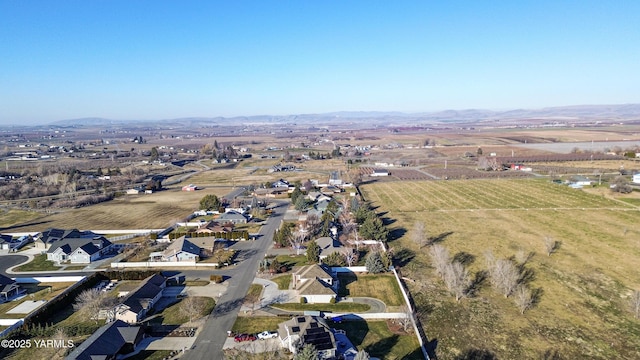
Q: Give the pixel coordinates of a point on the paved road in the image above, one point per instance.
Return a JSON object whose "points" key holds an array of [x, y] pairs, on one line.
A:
{"points": [[7, 261], [211, 339]]}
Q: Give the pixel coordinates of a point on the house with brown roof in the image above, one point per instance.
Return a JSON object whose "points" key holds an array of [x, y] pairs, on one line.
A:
{"points": [[314, 283], [314, 330], [211, 227]]}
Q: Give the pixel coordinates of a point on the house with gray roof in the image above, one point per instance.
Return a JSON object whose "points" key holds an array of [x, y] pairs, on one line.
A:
{"points": [[232, 217], [47, 238], [137, 303], [79, 250], [8, 289], [314, 330], [328, 245], [181, 249], [109, 341]]}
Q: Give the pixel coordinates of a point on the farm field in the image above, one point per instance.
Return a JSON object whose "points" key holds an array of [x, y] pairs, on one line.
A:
{"points": [[127, 212], [583, 310]]}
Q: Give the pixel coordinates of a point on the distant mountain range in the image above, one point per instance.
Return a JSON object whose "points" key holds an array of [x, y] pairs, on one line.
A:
{"points": [[577, 113]]}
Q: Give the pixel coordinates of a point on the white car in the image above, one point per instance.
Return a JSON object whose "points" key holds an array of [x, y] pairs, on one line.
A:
{"points": [[267, 335]]}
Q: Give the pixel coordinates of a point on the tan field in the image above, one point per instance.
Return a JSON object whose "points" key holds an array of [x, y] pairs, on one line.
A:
{"points": [[583, 310]]}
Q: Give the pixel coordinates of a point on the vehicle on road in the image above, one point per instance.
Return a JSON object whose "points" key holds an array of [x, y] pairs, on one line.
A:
{"points": [[244, 337], [267, 335]]}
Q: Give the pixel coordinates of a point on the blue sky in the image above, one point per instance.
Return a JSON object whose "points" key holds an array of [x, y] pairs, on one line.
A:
{"points": [[167, 59]]}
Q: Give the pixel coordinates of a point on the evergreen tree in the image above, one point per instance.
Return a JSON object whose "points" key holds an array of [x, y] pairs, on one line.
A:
{"points": [[210, 202], [313, 252], [307, 352], [374, 263], [372, 228]]}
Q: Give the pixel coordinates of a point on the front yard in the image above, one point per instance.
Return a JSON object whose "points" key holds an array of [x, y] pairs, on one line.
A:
{"points": [[184, 311], [39, 263], [342, 307], [256, 324]]}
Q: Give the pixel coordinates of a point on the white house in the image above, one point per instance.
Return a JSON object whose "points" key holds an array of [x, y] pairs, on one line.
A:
{"points": [[636, 179], [180, 249], [79, 250], [379, 172]]}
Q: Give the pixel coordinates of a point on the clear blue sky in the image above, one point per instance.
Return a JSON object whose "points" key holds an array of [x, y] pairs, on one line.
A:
{"points": [[166, 59]]}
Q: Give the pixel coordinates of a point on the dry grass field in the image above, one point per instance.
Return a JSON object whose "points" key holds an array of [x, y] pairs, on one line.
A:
{"points": [[584, 307], [127, 212]]}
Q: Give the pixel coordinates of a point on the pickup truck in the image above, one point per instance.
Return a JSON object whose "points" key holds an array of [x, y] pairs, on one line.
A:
{"points": [[267, 335]]}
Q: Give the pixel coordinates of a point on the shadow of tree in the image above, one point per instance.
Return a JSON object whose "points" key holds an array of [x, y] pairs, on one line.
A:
{"points": [[478, 280], [439, 238], [536, 296], [383, 347], [476, 354], [396, 233], [403, 256], [464, 258]]}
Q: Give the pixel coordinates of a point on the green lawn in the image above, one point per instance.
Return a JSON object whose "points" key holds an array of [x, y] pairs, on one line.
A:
{"points": [[39, 263], [256, 324], [382, 287], [283, 281], [376, 338], [292, 260], [339, 307]]}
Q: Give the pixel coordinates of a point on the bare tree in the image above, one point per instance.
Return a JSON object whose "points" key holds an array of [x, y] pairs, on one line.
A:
{"points": [[440, 258], [457, 279], [405, 321], [504, 276], [419, 235], [550, 245], [91, 301], [635, 303], [313, 222], [296, 240], [350, 256], [523, 298], [192, 306]]}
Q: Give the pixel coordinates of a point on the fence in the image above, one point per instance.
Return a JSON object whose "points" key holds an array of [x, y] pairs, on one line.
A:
{"points": [[162, 264], [49, 279], [420, 334], [17, 323], [346, 269]]}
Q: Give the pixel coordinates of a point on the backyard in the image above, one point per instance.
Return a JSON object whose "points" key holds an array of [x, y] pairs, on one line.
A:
{"points": [[583, 309]]}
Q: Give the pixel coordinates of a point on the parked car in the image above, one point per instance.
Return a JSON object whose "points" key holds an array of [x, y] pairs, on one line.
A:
{"points": [[267, 335], [244, 337]]}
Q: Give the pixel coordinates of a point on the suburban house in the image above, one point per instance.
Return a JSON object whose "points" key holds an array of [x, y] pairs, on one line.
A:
{"points": [[281, 184], [208, 243], [303, 330], [8, 288], [212, 226], [138, 302], [232, 217], [314, 283], [45, 239], [334, 178], [7, 242], [79, 250], [108, 342], [636, 179], [328, 246], [181, 249], [579, 181]]}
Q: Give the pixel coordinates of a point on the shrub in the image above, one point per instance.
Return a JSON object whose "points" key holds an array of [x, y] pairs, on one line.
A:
{"points": [[216, 278], [303, 300], [332, 301]]}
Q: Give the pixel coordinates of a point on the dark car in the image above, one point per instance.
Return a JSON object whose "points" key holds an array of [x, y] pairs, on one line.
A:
{"points": [[244, 337]]}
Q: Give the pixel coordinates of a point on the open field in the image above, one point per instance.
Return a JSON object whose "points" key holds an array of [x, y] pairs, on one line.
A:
{"points": [[156, 210], [584, 307]]}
